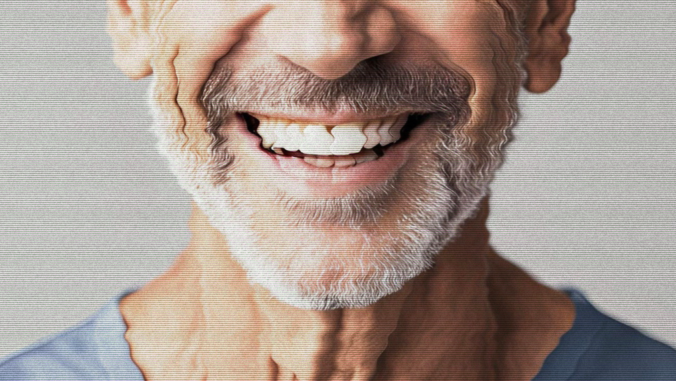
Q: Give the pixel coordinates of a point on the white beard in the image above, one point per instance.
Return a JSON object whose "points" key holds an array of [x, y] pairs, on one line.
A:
{"points": [[318, 274]]}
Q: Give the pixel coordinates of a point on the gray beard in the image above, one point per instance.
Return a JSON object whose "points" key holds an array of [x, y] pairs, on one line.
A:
{"points": [[421, 210], [409, 246]]}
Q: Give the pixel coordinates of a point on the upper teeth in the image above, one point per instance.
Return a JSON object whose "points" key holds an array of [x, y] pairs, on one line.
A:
{"points": [[319, 139]]}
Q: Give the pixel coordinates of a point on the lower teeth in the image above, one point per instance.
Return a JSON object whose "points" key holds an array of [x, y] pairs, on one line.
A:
{"points": [[326, 161], [341, 161]]}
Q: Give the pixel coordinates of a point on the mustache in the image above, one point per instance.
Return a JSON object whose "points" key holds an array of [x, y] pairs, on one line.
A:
{"points": [[372, 87]]}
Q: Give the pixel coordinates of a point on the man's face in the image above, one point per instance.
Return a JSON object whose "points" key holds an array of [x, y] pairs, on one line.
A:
{"points": [[336, 145]]}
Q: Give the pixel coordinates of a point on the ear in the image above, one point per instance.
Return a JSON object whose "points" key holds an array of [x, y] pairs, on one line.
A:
{"points": [[128, 22], [548, 40]]}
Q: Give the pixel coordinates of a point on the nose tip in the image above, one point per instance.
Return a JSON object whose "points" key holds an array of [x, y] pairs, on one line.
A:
{"points": [[329, 38]]}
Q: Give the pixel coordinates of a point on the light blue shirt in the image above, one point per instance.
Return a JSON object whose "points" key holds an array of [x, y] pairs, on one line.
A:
{"points": [[596, 348]]}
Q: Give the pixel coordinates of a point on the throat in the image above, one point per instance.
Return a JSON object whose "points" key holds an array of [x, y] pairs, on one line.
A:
{"points": [[429, 329], [342, 344], [216, 325], [473, 316]]}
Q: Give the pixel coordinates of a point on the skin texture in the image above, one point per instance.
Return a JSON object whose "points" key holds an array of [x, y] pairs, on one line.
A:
{"points": [[472, 315]]}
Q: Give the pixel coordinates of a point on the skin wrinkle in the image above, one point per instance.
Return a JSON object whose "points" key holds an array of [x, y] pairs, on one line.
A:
{"points": [[517, 44], [222, 158], [503, 97], [167, 7], [461, 349], [167, 71], [280, 352], [189, 108], [183, 123]]}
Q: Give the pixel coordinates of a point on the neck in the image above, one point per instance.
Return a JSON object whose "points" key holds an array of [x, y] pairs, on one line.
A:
{"points": [[216, 325]]}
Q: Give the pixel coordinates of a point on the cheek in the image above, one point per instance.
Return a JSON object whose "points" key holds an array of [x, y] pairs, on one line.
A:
{"points": [[477, 39], [190, 37]]}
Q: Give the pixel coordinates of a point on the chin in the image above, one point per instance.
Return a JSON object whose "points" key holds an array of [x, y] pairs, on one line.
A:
{"points": [[310, 267], [342, 258]]}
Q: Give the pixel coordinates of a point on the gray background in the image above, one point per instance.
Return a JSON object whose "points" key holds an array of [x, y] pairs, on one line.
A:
{"points": [[587, 197]]}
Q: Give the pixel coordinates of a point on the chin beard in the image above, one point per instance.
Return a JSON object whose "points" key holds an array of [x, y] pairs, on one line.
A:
{"points": [[394, 230], [321, 274]]}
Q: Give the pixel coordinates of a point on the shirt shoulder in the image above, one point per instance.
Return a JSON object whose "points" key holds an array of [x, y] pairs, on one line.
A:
{"points": [[600, 348], [68, 356], [93, 350], [619, 352]]}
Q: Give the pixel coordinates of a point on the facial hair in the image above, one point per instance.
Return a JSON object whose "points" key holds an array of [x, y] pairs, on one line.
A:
{"points": [[397, 227]]}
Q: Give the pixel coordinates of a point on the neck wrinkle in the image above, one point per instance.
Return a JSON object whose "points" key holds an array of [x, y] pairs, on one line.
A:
{"points": [[340, 344], [469, 316], [447, 329], [442, 314]]}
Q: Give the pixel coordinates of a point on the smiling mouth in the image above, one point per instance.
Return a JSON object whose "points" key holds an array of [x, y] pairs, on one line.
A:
{"points": [[324, 146]]}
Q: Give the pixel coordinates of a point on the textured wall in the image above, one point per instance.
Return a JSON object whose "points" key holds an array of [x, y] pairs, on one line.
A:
{"points": [[587, 197]]}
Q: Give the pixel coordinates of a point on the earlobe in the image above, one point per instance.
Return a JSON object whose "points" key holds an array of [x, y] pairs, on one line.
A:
{"points": [[548, 42], [128, 27]]}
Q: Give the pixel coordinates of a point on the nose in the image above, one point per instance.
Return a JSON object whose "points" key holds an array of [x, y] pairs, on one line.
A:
{"points": [[330, 37]]}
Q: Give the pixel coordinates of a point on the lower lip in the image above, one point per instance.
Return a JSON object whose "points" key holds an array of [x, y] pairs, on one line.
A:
{"points": [[296, 173]]}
